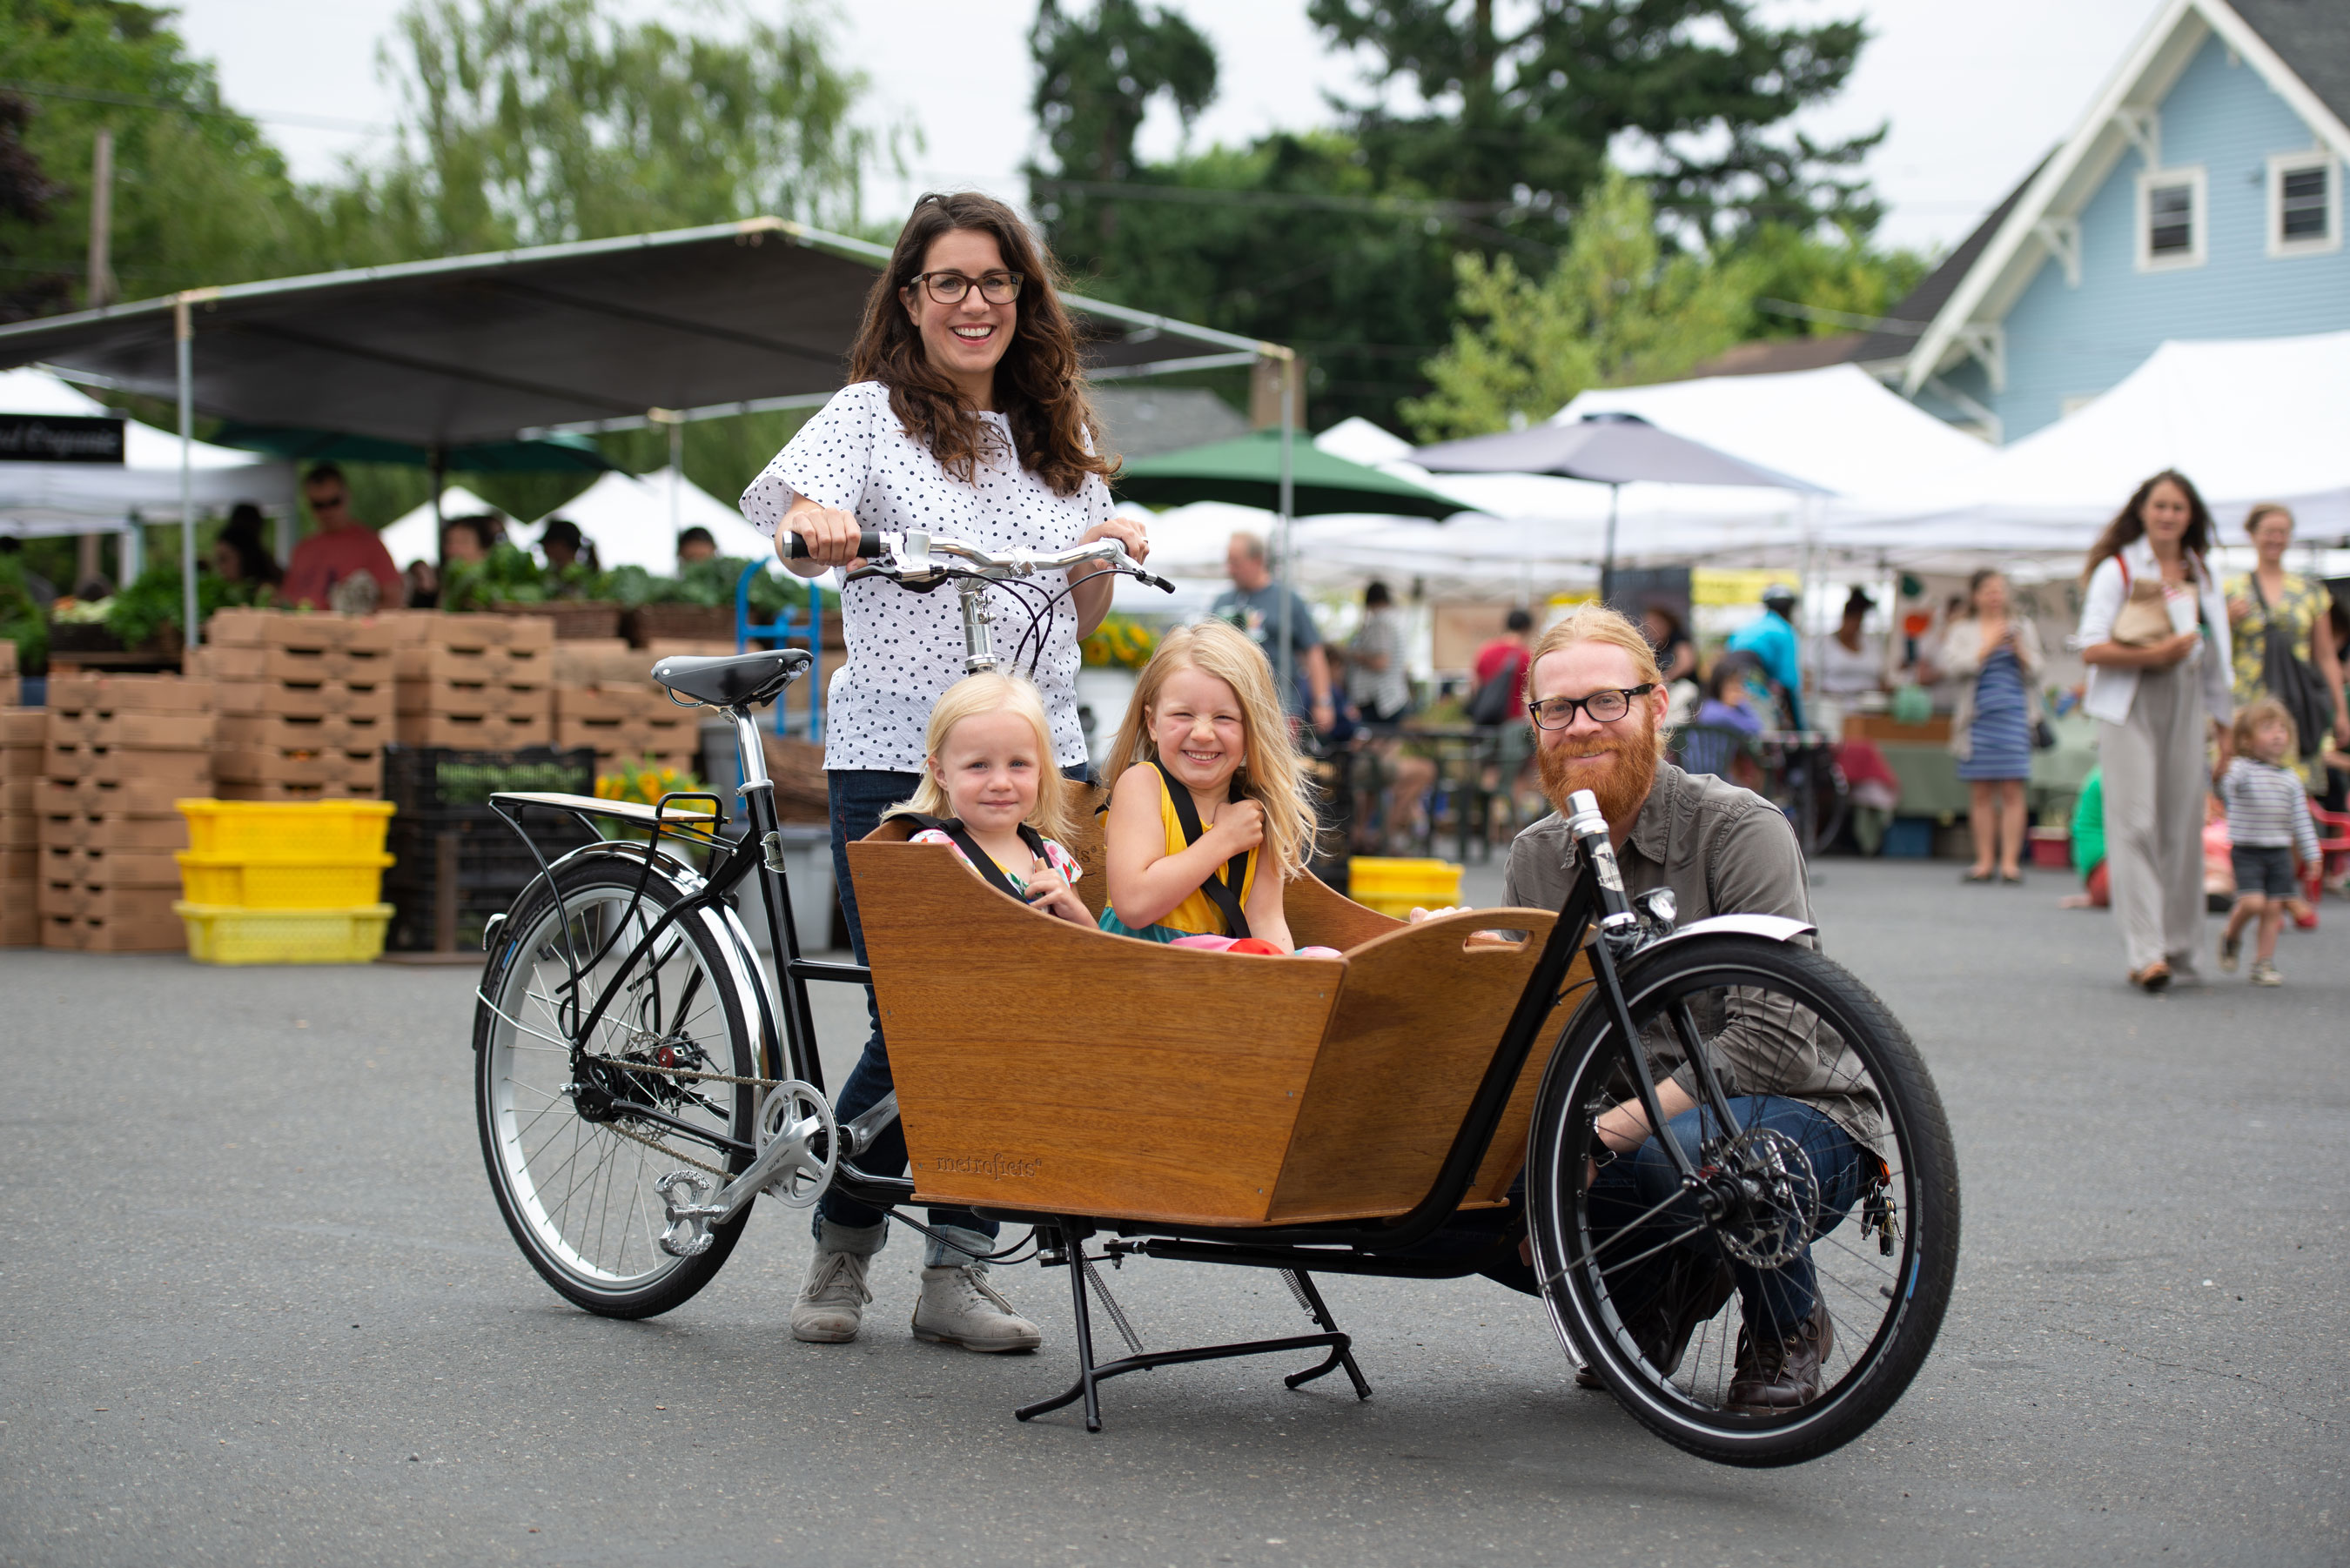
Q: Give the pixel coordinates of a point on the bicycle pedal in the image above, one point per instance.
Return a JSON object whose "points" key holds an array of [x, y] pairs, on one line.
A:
{"points": [[688, 1233]]}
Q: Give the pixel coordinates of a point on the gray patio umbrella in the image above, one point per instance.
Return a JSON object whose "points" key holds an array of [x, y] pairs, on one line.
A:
{"points": [[1610, 449]]}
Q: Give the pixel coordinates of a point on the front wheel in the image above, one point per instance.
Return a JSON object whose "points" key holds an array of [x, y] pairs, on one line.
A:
{"points": [[573, 1167], [1771, 1308]]}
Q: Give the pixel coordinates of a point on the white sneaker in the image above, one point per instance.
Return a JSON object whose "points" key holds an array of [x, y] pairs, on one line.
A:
{"points": [[2265, 973], [958, 1306], [832, 1299]]}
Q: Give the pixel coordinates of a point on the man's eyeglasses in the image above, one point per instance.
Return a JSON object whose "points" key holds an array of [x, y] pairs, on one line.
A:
{"points": [[1605, 707], [948, 288]]}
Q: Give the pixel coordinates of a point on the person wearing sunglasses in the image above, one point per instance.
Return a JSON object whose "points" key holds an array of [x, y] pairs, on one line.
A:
{"points": [[966, 414]]}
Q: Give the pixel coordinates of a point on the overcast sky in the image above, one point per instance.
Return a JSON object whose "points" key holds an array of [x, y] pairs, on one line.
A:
{"points": [[1975, 89]]}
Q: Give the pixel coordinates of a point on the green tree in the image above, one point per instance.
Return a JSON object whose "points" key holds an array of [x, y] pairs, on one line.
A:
{"points": [[536, 121], [200, 195], [1619, 308], [1096, 79], [1527, 111]]}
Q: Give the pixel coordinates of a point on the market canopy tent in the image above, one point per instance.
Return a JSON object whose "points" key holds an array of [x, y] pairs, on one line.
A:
{"points": [[598, 335], [1837, 428], [2247, 420], [633, 520], [50, 498], [517, 345], [1246, 472]]}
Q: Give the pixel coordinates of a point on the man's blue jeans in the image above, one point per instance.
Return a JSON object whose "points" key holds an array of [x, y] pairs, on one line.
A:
{"points": [[1774, 1302], [857, 800]]}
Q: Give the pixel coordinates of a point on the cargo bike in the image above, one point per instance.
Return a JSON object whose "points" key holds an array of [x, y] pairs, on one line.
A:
{"points": [[640, 1082]]}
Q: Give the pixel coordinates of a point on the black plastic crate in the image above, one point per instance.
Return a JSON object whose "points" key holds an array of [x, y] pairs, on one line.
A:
{"points": [[427, 781]]}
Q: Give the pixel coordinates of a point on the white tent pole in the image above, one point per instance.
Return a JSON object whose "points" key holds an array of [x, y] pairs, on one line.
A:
{"points": [[183, 334], [676, 478], [1288, 499], [1607, 561]]}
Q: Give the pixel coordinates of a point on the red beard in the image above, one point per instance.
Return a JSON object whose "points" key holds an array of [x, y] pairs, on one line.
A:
{"points": [[1622, 789]]}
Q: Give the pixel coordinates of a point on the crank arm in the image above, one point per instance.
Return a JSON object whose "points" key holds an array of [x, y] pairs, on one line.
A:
{"points": [[859, 1131]]}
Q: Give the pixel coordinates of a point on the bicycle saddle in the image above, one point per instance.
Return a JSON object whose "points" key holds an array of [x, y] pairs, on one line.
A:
{"points": [[734, 679]]}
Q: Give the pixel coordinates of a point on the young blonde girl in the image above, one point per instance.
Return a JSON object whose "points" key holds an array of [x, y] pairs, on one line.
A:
{"points": [[1209, 817], [988, 779], [2271, 836]]}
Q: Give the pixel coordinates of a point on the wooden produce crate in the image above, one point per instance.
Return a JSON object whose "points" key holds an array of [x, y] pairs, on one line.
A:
{"points": [[372, 696], [359, 770], [575, 619], [140, 922], [522, 631], [184, 773], [625, 723], [476, 731], [357, 785], [11, 687], [20, 916], [155, 833], [108, 866], [369, 665], [352, 733], [302, 631], [601, 662], [648, 624], [523, 669]]}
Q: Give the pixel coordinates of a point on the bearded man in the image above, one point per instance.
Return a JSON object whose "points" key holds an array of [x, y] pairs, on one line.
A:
{"points": [[1597, 703]]}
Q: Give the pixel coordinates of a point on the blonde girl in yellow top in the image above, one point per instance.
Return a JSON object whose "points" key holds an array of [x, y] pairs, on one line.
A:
{"points": [[1209, 817]]}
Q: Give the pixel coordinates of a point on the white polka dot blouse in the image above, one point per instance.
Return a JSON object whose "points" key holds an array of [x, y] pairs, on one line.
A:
{"points": [[906, 648]]}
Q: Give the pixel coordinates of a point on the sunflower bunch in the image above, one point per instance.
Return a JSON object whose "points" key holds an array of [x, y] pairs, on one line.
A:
{"points": [[1120, 642], [645, 782]]}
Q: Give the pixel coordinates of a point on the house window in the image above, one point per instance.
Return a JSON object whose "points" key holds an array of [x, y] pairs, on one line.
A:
{"points": [[2304, 204], [2170, 219]]}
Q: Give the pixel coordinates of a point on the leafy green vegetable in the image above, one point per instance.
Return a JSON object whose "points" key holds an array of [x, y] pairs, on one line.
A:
{"points": [[507, 575], [138, 612], [21, 621]]}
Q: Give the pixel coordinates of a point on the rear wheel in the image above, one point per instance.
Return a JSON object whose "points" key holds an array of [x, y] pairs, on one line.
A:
{"points": [[1844, 1196], [574, 1169]]}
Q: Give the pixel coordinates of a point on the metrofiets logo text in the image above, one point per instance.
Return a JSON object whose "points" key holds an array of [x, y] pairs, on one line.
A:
{"points": [[995, 1167]]}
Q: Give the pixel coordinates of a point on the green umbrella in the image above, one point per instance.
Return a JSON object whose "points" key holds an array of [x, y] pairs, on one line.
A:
{"points": [[1246, 471], [558, 453]]}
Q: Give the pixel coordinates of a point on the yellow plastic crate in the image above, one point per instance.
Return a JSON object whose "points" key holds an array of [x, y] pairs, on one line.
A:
{"points": [[1394, 887], [230, 936], [237, 882], [315, 831]]}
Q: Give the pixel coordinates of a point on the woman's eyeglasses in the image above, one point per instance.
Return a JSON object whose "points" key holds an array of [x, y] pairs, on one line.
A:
{"points": [[1605, 707], [948, 288]]}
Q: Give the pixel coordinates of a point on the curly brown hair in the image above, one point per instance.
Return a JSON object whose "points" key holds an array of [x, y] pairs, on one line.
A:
{"points": [[2129, 523], [1040, 383]]}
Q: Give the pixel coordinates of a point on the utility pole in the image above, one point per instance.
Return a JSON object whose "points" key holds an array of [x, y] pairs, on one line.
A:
{"points": [[101, 290]]}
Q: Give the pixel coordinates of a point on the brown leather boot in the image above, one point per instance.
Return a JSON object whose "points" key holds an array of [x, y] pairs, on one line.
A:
{"points": [[1776, 1375], [1693, 1291]]}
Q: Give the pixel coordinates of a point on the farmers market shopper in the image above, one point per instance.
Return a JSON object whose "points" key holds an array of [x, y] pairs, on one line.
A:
{"points": [[343, 546], [966, 414]]}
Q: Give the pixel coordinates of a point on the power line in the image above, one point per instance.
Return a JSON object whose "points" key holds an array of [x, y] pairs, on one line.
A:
{"points": [[180, 106]]}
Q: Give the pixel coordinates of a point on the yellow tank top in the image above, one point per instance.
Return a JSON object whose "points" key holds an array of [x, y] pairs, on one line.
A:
{"points": [[1195, 916]]}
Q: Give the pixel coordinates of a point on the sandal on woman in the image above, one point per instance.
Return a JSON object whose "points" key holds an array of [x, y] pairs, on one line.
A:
{"points": [[1976, 876], [2155, 977], [2013, 878]]}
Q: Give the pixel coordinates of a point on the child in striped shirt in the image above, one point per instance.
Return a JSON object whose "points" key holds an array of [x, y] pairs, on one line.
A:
{"points": [[2270, 833]]}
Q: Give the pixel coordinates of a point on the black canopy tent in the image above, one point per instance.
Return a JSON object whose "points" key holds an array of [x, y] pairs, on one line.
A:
{"points": [[599, 335]]}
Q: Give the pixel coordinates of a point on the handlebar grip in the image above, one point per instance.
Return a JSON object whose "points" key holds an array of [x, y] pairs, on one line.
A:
{"points": [[1161, 584], [869, 545]]}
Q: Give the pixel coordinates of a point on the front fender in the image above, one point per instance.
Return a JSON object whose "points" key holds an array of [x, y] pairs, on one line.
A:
{"points": [[1776, 928]]}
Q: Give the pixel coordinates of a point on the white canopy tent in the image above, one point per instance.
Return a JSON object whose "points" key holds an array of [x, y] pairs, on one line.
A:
{"points": [[63, 498], [633, 520], [2247, 420], [416, 535]]}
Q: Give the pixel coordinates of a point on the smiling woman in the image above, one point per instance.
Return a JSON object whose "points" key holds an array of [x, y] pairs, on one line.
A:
{"points": [[966, 416]]}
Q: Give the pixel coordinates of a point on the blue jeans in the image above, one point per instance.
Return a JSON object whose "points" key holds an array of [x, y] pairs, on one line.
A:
{"points": [[1774, 1302], [856, 800]]}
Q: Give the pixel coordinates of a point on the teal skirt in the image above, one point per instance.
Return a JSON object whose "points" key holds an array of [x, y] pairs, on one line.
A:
{"points": [[1117, 927]]}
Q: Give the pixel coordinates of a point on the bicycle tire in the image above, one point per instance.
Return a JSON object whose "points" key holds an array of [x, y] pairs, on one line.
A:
{"points": [[1589, 1298], [533, 1134]]}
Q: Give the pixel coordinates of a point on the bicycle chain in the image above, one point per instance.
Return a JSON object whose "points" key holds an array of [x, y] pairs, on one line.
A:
{"points": [[664, 1149]]}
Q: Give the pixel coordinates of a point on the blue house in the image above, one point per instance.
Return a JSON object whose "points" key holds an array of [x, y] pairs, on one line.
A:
{"points": [[2201, 196]]}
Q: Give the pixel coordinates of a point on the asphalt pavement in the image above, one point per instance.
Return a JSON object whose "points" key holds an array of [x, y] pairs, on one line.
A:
{"points": [[259, 1308]]}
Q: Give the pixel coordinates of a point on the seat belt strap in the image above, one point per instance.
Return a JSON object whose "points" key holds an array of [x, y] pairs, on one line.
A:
{"points": [[1223, 888]]}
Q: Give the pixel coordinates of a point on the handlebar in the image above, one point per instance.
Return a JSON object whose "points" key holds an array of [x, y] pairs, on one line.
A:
{"points": [[918, 559]]}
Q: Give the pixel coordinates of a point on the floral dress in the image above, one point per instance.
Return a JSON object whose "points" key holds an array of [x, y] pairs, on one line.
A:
{"points": [[2296, 612]]}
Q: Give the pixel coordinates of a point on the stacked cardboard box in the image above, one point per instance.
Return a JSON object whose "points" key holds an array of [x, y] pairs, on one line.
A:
{"points": [[120, 750], [474, 681], [628, 722], [11, 687], [305, 703], [22, 736]]}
